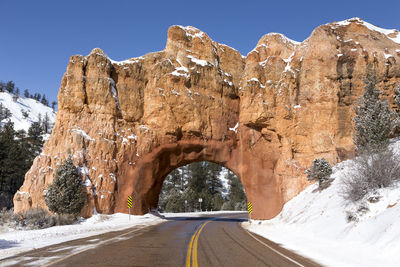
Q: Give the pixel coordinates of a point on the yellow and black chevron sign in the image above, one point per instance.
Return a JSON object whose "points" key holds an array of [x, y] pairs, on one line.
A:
{"points": [[129, 202], [250, 207]]}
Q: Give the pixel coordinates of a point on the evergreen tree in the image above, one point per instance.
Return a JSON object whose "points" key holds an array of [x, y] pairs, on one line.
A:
{"points": [[2, 86], [25, 113], [10, 87], [14, 162], [396, 121], [35, 139], [4, 112], [37, 96], [191, 182], [46, 125], [236, 198], [44, 101], [26, 93], [213, 181], [53, 105], [320, 172], [65, 195], [373, 120]]}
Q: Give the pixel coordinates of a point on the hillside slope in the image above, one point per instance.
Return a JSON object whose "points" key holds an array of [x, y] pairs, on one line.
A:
{"points": [[33, 107], [315, 224]]}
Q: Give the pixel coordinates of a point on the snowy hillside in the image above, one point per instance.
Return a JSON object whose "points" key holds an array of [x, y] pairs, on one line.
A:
{"points": [[315, 225], [29, 105]]}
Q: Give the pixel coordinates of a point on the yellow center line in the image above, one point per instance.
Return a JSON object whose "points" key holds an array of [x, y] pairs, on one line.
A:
{"points": [[189, 252], [193, 246]]}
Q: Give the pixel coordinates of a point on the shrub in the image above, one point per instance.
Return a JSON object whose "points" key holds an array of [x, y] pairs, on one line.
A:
{"points": [[320, 171], [371, 171], [34, 219], [65, 195]]}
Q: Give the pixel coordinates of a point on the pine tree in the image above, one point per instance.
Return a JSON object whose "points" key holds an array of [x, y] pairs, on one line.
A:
{"points": [[236, 196], [26, 93], [2, 86], [65, 195], [373, 120], [35, 138], [10, 87], [46, 125], [320, 172], [4, 112], [53, 105], [14, 162], [213, 181], [25, 113], [44, 101]]}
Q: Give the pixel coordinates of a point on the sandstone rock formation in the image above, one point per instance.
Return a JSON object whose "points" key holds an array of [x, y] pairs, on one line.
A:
{"points": [[265, 116]]}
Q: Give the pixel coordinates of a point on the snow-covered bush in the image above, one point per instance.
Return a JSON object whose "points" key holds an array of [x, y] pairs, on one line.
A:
{"points": [[371, 171], [34, 219], [320, 171], [65, 195]]}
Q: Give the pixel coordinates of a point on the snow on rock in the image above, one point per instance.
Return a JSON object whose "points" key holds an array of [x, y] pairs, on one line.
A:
{"points": [[83, 134], [128, 61], [314, 224], [235, 128], [181, 71], [197, 61], [132, 136], [285, 38], [392, 34], [95, 225], [387, 56], [192, 32], [31, 106]]}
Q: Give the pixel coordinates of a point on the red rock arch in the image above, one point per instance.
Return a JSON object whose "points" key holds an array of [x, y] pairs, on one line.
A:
{"points": [[144, 181]]}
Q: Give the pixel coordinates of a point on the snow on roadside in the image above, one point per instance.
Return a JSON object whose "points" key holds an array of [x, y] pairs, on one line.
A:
{"points": [[314, 224], [16, 241]]}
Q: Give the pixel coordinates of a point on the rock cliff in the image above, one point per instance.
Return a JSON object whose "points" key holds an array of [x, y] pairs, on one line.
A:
{"points": [[265, 116]]}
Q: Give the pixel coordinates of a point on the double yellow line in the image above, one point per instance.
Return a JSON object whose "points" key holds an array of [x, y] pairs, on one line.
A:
{"points": [[193, 246]]}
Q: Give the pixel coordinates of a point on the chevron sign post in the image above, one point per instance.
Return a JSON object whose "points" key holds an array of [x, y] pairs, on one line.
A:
{"points": [[130, 203], [250, 208]]}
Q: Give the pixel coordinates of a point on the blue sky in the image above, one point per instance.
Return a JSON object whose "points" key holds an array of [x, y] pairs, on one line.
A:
{"points": [[38, 37]]}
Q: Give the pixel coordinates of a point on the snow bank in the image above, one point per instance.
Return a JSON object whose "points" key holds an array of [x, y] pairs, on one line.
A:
{"points": [[13, 242], [314, 224], [29, 105]]}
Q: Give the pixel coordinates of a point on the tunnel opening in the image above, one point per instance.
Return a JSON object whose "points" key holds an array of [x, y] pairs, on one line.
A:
{"points": [[201, 186]]}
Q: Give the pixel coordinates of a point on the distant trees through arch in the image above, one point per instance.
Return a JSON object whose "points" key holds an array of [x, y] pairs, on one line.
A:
{"points": [[218, 187]]}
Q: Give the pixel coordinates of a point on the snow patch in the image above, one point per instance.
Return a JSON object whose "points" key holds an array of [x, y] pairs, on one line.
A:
{"points": [[235, 128], [82, 133], [197, 61], [387, 56], [392, 32]]}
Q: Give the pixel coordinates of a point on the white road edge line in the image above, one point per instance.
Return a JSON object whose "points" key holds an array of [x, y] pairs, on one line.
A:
{"points": [[271, 248], [98, 244]]}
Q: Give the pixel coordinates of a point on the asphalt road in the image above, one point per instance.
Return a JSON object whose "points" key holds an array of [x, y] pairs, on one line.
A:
{"points": [[205, 241]]}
